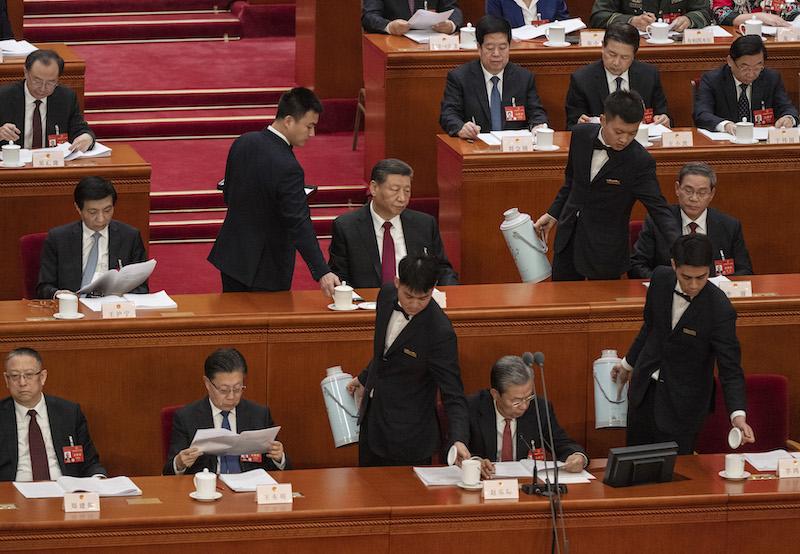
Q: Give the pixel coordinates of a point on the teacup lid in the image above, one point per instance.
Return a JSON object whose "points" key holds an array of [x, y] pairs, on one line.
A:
{"points": [[735, 438], [343, 287]]}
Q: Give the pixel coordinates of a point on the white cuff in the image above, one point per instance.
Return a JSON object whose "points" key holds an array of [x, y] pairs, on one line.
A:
{"points": [[721, 126], [626, 365], [282, 463], [175, 468], [738, 413]]}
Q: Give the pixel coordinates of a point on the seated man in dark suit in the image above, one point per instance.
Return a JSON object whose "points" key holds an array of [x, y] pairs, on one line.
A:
{"points": [[37, 107], [369, 242], [490, 93], [73, 254], [743, 89], [504, 419], [42, 437], [391, 16], [695, 189], [681, 14], [616, 70], [223, 408]]}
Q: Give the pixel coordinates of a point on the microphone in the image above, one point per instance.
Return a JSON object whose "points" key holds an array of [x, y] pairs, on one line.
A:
{"points": [[535, 488]]}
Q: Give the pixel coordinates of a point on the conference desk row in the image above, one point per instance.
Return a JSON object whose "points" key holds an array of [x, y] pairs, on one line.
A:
{"points": [[405, 81], [477, 183], [377, 510], [123, 372]]}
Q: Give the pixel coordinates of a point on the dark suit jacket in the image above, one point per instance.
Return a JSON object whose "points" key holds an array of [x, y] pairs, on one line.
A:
{"points": [[705, 334], [6, 32], [598, 212], [66, 420], [197, 415], [268, 216], [401, 414], [62, 110], [716, 98], [725, 232], [465, 97], [483, 429], [588, 89], [354, 249], [377, 14], [60, 265], [552, 10]]}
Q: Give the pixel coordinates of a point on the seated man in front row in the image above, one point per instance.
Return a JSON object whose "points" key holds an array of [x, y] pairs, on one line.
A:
{"points": [[368, 243], [695, 189], [391, 16], [73, 254], [223, 408], [42, 437], [504, 419], [490, 93]]}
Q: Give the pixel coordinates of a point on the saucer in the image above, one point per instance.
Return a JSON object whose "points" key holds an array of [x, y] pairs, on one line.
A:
{"points": [[742, 477], [556, 44], [551, 148], [216, 496], [737, 141], [59, 315], [10, 166], [654, 41], [476, 487], [335, 309], [368, 306]]}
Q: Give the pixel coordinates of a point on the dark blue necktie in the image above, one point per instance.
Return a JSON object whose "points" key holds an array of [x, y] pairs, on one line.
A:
{"points": [[228, 464], [495, 106], [743, 106]]}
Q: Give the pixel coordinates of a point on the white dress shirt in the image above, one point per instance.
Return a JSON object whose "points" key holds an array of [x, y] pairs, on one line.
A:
{"points": [[501, 427], [397, 236], [702, 229], [612, 81], [24, 468], [599, 158], [30, 105], [102, 250], [275, 131], [397, 322], [487, 78], [528, 12]]}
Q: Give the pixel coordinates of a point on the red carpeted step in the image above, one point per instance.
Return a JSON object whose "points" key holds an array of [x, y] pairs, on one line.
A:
{"points": [[326, 195], [152, 99], [207, 228], [259, 20], [51, 7]]}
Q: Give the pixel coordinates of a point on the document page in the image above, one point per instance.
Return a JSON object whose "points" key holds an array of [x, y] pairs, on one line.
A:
{"points": [[438, 476], [224, 442], [39, 489], [425, 19], [116, 486], [121, 281], [247, 481]]}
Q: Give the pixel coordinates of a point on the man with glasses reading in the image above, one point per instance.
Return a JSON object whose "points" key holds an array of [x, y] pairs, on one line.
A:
{"points": [[695, 188], [504, 419], [743, 89], [223, 408], [42, 437], [36, 110]]}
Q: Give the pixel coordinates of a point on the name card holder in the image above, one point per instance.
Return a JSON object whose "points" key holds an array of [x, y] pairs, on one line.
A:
{"points": [[119, 310], [784, 135], [698, 36], [501, 489], [274, 494], [677, 139], [788, 467], [737, 289], [592, 38], [81, 502], [517, 144], [788, 34], [48, 158], [441, 41]]}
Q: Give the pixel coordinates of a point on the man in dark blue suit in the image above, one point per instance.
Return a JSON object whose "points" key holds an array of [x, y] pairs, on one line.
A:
{"points": [[391, 16], [616, 70], [607, 171], [743, 89], [490, 93], [520, 14], [268, 218], [695, 188], [689, 326]]}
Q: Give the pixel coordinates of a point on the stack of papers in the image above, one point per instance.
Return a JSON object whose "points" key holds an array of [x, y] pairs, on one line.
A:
{"points": [[99, 151], [451, 475], [120, 281], [654, 131], [495, 138], [759, 133], [158, 300], [247, 481], [528, 32], [13, 47], [426, 19], [439, 476], [420, 37], [224, 442], [117, 486], [719, 31], [768, 461]]}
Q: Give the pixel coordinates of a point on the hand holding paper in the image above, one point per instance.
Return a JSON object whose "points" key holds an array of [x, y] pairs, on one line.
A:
{"points": [[224, 442]]}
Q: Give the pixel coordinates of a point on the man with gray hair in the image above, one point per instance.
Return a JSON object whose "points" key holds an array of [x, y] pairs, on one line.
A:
{"points": [[503, 420], [695, 189]]}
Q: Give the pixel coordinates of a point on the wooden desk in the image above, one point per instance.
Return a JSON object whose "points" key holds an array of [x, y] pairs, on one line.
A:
{"points": [[477, 183], [132, 368], [74, 68], [35, 200], [405, 83], [388, 510]]}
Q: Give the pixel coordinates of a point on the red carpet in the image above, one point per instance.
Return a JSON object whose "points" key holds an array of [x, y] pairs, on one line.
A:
{"points": [[265, 20], [47, 7]]}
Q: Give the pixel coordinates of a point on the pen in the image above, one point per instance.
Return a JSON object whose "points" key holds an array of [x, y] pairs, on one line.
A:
{"points": [[71, 442], [57, 130], [722, 254], [425, 5], [119, 263]]}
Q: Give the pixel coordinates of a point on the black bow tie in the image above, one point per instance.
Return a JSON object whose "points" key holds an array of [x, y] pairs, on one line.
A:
{"points": [[682, 295], [398, 308], [600, 146]]}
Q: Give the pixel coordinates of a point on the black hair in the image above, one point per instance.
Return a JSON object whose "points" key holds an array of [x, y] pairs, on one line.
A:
{"points": [[24, 351], [94, 188], [693, 250], [418, 273], [224, 360], [492, 24], [297, 102], [626, 104], [623, 32], [747, 45], [390, 166], [46, 57]]}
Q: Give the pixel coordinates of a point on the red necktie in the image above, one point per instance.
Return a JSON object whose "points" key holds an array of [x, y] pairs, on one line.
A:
{"points": [[37, 141], [39, 465], [388, 263], [507, 452], [693, 228]]}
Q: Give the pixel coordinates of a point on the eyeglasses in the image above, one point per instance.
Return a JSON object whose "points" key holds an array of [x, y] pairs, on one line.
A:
{"points": [[41, 83], [702, 193], [17, 377], [745, 68], [237, 390], [518, 403]]}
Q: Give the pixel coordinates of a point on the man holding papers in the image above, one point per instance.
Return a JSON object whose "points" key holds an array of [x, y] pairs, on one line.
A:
{"points": [[41, 437], [392, 16], [74, 253], [223, 408]]}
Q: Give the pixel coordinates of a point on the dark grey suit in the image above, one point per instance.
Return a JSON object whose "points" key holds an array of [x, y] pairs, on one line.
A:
{"points": [[377, 14]]}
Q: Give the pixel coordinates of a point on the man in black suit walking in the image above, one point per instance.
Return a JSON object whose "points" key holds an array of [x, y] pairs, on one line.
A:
{"points": [[607, 171], [368, 243], [73, 254], [695, 188], [743, 89], [617, 69], [414, 352], [268, 217], [223, 408], [689, 325], [42, 437], [504, 419], [490, 93], [391, 16]]}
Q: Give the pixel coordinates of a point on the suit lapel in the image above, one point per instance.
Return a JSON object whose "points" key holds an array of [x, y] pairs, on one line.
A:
{"points": [[8, 420], [730, 92], [19, 108], [419, 321], [483, 96], [58, 432], [600, 82], [415, 243], [758, 94], [114, 258], [74, 248], [382, 316], [488, 421], [366, 230], [613, 162]]}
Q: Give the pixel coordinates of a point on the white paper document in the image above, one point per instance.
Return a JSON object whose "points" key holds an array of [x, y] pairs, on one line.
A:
{"points": [[716, 136], [769, 30], [768, 461], [528, 32], [657, 130], [116, 486], [13, 47], [247, 481], [489, 139], [439, 476], [420, 37], [121, 281], [158, 300], [425, 19], [99, 151], [565, 477], [719, 31], [224, 442]]}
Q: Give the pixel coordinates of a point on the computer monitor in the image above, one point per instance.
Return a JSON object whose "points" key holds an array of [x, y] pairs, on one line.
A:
{"points": [[646, 463]]}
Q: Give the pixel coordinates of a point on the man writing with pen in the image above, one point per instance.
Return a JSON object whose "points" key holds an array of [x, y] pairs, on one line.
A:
{"points": [[74, 253], [680, 14]]}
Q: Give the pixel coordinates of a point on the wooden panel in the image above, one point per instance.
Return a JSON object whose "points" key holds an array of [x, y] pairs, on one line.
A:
{"points": [[74, 69], [16, 11], [35, 200]]}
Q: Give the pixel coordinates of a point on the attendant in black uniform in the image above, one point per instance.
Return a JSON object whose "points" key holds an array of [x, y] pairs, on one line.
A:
{"points": [[391, 16]]}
